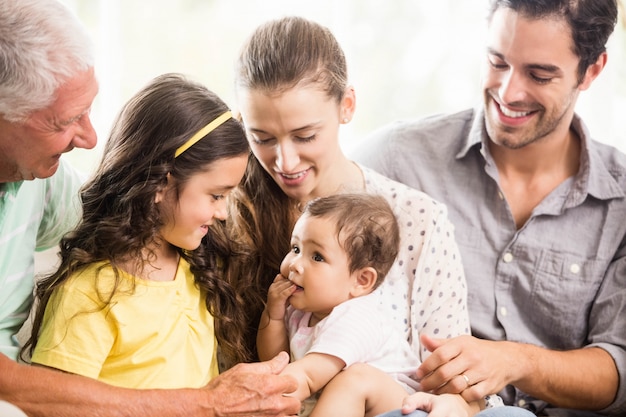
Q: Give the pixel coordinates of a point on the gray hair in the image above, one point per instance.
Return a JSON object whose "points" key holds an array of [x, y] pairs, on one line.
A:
{"points": [[42, 45]]}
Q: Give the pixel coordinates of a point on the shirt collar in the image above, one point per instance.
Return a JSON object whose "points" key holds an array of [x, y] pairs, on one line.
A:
{"points": [[594, 177], [8, 189], [476, 134]]}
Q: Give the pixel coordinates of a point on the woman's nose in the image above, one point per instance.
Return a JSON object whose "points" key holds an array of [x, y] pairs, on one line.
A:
{"points": [[287, 158]]}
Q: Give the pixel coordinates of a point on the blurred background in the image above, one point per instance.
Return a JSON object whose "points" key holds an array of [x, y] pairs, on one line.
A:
{"points": [[406, 58]]}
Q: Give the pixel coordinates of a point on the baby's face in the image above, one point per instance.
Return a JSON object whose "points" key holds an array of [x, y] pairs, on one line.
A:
{"points": [[318, 265]]}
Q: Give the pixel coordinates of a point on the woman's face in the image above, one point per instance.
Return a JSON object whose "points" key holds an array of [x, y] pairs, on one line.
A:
{"points": [[294, 135]]}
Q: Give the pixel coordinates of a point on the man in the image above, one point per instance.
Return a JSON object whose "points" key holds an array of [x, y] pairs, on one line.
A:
{"points": [[47, 85], [540, 216]]}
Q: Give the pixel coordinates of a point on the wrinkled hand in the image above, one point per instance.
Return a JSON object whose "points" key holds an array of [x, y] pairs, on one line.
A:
{"points": [[485, 363], [444, 405], [255, 389], [277, 296]]}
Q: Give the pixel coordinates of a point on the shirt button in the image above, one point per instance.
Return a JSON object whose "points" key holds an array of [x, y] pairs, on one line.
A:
{"points": [[500, 195], [574, 268], [503, 311], [508, 257], [521, 403]]}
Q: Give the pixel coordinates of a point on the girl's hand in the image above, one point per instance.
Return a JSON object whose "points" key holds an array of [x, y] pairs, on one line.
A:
{"points": [[277, 296]]}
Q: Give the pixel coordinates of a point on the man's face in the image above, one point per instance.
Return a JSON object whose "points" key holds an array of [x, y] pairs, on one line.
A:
{"points": [[32, 149], [530, 81]]}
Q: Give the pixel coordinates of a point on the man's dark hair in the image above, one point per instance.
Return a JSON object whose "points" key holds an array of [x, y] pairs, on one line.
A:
{"points": [[591, 22]]}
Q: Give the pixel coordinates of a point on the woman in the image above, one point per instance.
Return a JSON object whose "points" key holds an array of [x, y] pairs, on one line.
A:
{"points": [[293, 95]]}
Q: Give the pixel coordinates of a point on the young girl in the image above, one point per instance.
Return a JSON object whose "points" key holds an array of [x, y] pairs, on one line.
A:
{"points": [[139, 300], [321, 309]]}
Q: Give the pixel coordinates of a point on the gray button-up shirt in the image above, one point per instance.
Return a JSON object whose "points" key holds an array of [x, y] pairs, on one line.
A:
{"points": [[559, 281]]}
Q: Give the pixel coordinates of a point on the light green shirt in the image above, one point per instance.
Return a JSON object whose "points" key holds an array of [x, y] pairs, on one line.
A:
{"points": [[34, 215]]}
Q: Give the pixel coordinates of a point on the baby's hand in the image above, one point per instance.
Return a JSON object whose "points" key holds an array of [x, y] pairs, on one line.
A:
{"points": [[277, 296], [443, 405]]}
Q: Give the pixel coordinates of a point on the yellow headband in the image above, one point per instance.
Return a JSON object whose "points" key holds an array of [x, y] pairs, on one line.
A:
{"points": [[203, 132]]}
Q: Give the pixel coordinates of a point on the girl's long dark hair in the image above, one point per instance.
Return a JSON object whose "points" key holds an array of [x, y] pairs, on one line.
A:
{"points": [[260, 224], [120, 217]]}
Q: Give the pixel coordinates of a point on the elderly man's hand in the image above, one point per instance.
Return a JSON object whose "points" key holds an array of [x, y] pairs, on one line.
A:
{"points": [[254, 389]]}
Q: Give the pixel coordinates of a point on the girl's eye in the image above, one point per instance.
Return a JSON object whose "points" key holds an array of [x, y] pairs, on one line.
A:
{"points": [[217, 197], [318, 258]]}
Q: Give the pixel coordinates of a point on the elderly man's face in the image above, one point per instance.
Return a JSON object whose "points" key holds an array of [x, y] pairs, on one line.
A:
{"points": [[32, 149]]}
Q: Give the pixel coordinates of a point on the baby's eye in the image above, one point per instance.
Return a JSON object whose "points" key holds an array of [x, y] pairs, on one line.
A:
{"points": [[295, 249], [318, 258]]}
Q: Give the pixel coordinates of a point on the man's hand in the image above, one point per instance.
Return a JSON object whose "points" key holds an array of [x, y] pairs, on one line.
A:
{"points": [[464, 365], [585, 378], [255, 389]]}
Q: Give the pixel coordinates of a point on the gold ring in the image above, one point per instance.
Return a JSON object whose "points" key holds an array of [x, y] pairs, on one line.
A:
{"points": [[466, 380]]}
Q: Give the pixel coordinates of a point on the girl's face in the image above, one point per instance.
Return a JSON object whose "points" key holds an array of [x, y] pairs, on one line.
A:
{"points": [[294, 135], [318, 266], [202, 199]]}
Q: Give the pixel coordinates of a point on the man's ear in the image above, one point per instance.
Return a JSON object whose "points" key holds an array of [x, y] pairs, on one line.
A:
{"points": [[593, 71], [365, 281]]}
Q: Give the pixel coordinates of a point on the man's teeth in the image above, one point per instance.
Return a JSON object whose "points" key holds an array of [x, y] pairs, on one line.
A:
{"points": [[510, 113]]}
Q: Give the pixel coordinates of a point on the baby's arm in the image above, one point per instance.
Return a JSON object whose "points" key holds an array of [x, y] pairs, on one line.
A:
{"points": [[272, 335], [313, 372]]}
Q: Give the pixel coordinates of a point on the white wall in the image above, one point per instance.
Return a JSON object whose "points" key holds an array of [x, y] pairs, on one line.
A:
{"points": [[406, 58]]}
